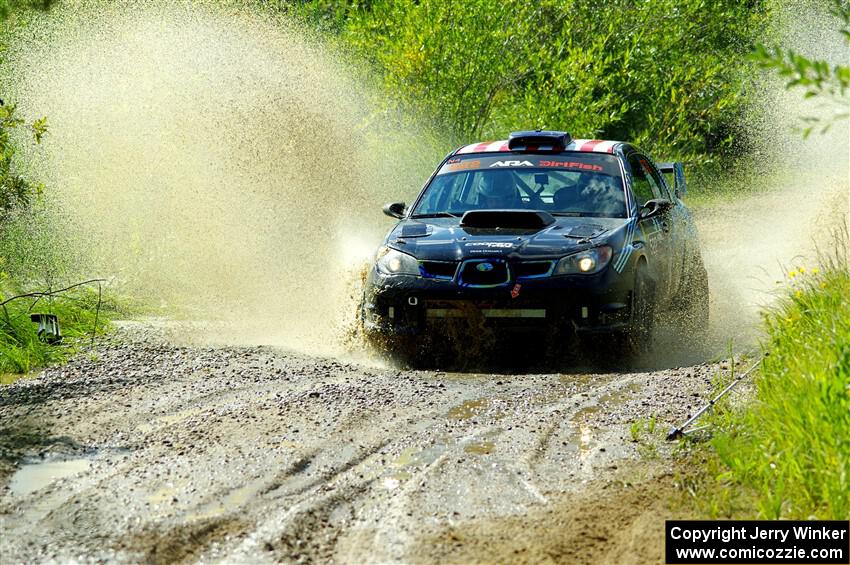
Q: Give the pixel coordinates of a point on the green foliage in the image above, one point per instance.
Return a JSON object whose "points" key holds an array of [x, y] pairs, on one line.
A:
{"points": [[8, 7], [21, 350], [31, 253], [816, 77], [666, 74], [15, 191], [38, 251], [788, 454]]}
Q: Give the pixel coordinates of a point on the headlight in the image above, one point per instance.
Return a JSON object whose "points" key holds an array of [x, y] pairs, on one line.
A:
{"points": [[585, 262], [392, 262]]}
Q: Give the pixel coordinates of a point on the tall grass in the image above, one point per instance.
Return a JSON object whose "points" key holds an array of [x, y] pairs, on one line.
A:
{"points": [[21, 349], [789, 451]]}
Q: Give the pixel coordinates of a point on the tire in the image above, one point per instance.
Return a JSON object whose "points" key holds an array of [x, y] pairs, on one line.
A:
{"points": [[693, 312], [640, 332], [415, 352]]}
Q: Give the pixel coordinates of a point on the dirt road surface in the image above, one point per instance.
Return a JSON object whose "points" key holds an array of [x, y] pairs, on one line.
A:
{"points": [[146, 451]]}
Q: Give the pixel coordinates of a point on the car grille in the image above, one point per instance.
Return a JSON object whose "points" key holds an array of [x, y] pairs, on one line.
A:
{"points": [[438, 269], [484, 272], [528, 269]]}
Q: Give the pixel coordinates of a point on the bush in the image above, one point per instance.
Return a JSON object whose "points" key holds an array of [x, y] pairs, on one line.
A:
{"points": [[665, 74]]}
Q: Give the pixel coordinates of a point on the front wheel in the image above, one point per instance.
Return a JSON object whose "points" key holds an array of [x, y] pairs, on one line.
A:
{"points": [[640, 330], [693, 314]]}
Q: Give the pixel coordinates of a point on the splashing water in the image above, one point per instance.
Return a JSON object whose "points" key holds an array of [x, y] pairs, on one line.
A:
{"points": [[217, 160], [222, 163], [750, 242]]}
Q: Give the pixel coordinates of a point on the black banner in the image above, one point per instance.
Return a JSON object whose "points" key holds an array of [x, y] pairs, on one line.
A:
{"points": [[763, 542]]}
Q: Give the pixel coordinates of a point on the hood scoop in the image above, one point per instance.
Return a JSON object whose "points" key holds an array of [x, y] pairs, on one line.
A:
{"points": [[586, 231], [507, 219], [415, 230]]}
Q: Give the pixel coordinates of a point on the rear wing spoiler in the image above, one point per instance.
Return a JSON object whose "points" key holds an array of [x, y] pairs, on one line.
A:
{"points": [[677, 170]]}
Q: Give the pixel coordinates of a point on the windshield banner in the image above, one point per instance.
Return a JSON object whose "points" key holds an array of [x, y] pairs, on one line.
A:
{"points": [[606, 164]]}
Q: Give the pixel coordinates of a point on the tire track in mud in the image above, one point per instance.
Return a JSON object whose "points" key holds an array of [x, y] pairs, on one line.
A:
{"points": [[256, 454]]}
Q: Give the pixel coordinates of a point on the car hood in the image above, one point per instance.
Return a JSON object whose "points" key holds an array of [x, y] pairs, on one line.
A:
{"points": [[443, 239]]}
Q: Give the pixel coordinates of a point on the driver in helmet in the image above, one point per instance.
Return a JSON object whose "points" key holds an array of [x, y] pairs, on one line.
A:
{"points": [[591, 193], [497, 190], [569, 198]]}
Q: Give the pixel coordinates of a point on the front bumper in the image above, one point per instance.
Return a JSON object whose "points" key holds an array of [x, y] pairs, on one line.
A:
{"points": [[413, 305]]}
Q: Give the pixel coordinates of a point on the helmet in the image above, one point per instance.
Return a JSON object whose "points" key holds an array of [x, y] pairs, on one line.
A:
{"points": [[583, 181], [497, 184], [596, 186]]}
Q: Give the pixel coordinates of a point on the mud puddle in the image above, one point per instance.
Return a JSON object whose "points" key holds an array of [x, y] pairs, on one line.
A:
{"points": [[35, 475]]}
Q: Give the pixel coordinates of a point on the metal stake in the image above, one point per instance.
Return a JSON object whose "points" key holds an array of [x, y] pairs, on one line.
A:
{"points": [[676, 433]]}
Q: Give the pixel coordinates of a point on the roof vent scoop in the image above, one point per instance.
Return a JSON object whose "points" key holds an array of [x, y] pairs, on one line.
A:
{"points": [[539, 140]]}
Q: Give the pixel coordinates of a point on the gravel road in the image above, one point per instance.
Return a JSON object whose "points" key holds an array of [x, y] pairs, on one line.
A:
{"points": [[146, 451]]}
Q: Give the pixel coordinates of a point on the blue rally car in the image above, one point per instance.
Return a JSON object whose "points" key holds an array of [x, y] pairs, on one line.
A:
{"points": [[541, 233]]}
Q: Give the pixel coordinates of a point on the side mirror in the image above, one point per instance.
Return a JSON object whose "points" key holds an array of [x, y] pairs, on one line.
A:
{"points": [[681, 186], [677, 170], [655, 207], [394, 209]]}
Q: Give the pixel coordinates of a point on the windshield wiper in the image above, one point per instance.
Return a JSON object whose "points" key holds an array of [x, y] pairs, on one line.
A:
{"points": [[436, 215]]}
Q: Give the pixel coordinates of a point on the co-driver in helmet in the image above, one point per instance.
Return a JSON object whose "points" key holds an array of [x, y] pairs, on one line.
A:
{"points": [[497, 190]]}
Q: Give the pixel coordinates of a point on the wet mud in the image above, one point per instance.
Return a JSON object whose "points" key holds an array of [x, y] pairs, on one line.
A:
{"points": [[146, 451]]}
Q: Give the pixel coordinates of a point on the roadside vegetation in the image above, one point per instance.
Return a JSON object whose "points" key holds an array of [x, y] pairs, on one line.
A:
{"points": [[786, 453], [22, 350], [34, 255], [670, 75]]}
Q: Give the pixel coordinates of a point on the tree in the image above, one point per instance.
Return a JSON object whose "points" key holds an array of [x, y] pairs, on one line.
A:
{"points": [[669, 75]]}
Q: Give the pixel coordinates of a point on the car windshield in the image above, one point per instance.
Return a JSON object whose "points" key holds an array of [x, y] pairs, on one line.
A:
{"points": [[574, 184]]}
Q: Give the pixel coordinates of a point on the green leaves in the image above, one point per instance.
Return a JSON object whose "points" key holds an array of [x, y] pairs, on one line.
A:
{"points": [[8, 7], [666, 74], [815, 77], [39, 128], [15, 191]]}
